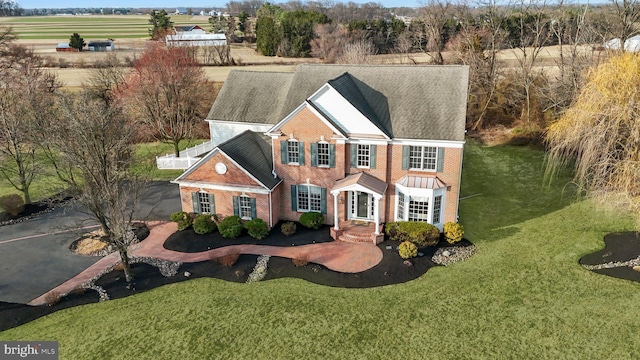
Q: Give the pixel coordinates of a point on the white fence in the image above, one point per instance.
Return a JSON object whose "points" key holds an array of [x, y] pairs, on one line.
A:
{"points": [[187, 158]]}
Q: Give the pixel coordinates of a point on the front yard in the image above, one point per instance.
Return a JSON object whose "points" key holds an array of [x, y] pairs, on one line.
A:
{"points": [[522, 295]]}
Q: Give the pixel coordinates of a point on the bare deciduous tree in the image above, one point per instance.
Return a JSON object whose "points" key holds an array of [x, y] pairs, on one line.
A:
{"points": [[26, 95], [357, 52], [435, 15], [95, 140], [329, 41]]}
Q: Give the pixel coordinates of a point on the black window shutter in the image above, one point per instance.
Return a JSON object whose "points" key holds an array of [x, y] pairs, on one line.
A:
{"points": [[283, 152], [294, 197], [372, 156], [314, 154], [254, 211], [332, 155], [440, 161], [301, 152], [406, 149], [196, 203], [236, 206], [354, 155], [212, 201], [323, 200]]}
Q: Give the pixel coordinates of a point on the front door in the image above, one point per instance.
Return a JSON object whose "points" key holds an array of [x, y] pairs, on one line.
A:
{"points": [[361, 205]]}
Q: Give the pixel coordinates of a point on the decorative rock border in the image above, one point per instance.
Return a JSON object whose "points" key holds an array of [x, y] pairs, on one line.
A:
{"points": [[453, 254], [36, 214], [166, 268], [614, 264], [260, 270]]}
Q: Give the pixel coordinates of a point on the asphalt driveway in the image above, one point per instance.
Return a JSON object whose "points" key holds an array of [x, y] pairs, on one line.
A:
{"points": [[35, 256]]}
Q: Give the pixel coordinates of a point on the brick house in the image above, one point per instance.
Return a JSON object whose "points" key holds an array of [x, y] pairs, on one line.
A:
{"points": [[363, 145]]}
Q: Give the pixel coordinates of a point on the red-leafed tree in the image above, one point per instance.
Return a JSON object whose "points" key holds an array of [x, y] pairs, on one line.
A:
{"points": [[167, 93]]}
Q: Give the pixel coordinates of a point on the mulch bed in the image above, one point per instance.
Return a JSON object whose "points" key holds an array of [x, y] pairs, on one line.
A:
{"points": [[190, 242], [391, 270], [34, 209], [618, 247]]}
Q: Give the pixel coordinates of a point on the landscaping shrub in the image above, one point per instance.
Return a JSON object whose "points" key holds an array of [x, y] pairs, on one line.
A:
{"points": [[419, 233], [312, 220], [453, 232], [408, 250], [183, 219], [230, 227], [257, 228], [52, 298], [12, 204], [204, 224], [300, 260], [227, 260], [288, 228]]}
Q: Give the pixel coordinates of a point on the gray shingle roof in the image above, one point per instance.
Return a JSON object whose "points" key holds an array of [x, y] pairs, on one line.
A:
{"points": [[252, 96], [252, 151], [412, 102]]}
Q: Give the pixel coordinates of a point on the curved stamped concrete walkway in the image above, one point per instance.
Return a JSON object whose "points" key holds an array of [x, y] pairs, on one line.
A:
{"points": [[336, 255]]}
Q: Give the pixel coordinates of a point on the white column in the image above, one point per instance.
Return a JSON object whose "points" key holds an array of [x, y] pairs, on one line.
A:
{"points": [[335, 210], [376, 213]]}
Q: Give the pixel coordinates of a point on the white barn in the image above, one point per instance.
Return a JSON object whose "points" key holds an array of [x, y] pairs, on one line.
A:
{"points": [[197, 39]]}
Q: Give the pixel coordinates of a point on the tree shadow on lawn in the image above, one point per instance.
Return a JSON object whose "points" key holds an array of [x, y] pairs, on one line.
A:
{"points": [[505, 185], [391, 270], [618, 248]]}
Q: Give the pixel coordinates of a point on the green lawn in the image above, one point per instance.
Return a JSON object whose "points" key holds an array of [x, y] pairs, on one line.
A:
{"points": [[523, 295], [49, 184]]}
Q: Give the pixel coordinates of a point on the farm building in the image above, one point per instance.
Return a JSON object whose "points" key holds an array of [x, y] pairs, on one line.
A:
{"points": [[101, 45], [197, 39], [64, 47]]}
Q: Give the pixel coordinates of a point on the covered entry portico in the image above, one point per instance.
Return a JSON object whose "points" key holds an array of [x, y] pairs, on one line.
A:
{"points": [[363, 195]]}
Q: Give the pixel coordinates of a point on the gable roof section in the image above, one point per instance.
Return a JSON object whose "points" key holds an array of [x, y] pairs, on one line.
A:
{"points": [[345, 86], [252, 152], [252, 97], [408, 102]]}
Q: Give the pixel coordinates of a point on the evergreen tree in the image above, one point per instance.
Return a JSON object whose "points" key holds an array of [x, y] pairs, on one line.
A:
{"points": [[76, 42], [161, 24]]}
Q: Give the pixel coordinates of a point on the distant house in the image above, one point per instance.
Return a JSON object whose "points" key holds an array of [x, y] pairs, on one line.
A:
{"points": [[101, 45], [64, 47], [191, 29]]}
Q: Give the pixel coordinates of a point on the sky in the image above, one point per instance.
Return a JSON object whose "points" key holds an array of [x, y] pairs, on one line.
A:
{"points": [[30, 4]]}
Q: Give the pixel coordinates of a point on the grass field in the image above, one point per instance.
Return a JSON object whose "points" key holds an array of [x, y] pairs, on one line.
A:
{"points": [[90, 26], [522, 296], [48, 183]]}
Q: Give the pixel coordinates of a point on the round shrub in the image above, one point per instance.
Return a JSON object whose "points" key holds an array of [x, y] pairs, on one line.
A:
{"points": [[453, 232], [407, 250], [257, 228], [230, 227], [312, 220], [420, 233], [183, 219], [13, 204], [204, 224], [288, 228]]}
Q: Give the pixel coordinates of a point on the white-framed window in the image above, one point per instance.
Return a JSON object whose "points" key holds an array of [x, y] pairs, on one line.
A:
{"points": [[400, 212], [293, 151], [323, 154], [363, 155], [245, 207], [205, 204], [423, 157], [309, 198], [418, 209], [437, 206]]}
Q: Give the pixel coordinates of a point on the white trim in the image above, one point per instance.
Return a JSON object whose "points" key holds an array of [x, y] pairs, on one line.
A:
{"points": [[208, 156], [315, 96], [190, 184], [238, 122], [367, 141], [426, 142], [272, 132]]}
